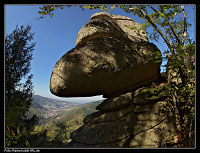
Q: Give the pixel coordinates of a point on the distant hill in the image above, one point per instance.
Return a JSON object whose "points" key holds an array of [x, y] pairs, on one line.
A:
{"points": [[80, 111], [44, 101], [47, 108], [52, 113]]}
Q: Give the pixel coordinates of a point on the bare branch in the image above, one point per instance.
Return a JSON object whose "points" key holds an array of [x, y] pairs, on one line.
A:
{"points": [[164, 28], [159, 31], [170, 25], [184, 34]]}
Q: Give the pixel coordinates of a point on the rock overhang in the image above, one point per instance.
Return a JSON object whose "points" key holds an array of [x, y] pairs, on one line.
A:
{"points": [[105, 61]]}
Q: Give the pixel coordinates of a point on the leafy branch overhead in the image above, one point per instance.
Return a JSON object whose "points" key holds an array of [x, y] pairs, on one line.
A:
{"points": [[163, 19]]}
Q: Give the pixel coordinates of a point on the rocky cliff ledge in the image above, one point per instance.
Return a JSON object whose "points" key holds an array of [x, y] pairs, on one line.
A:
{"points": [[133, 119], [112, 58]]}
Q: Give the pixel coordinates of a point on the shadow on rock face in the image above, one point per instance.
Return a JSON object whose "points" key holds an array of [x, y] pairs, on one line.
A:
{"points": [[126, 121], [104, 66], [109, 58]]}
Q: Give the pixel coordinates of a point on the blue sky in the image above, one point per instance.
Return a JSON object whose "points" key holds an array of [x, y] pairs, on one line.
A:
{"points": [[55, 36]]}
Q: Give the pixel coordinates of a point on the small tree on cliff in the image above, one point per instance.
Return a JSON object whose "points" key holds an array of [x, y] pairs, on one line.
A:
{"points": [[18, 95], [170, 23]]}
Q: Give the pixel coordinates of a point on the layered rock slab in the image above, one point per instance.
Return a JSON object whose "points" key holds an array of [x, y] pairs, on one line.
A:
{"points": [[131, 126], [104, 24]]}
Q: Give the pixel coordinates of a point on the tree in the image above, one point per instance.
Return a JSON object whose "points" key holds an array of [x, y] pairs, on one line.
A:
{"points": [[61, 130], [18, 94], [170, 23]]}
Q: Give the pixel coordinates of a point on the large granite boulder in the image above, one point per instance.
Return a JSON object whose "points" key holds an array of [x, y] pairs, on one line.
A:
{"points": [[109, 59]]}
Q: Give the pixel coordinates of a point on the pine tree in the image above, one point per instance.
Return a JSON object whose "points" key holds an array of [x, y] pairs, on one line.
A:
{"points": [[18, 94]]}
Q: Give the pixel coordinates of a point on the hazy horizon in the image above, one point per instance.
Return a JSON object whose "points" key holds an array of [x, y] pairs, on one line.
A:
{"points": [[80, 100]]}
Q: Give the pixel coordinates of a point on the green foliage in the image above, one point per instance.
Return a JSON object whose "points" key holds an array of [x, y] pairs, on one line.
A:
{"points": [[48, 9], [181, 89], [157, 57], [60, 130], [18, 54]]}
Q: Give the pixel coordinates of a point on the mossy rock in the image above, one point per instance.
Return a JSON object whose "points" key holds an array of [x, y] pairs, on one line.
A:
{"points": [[147, 94]]}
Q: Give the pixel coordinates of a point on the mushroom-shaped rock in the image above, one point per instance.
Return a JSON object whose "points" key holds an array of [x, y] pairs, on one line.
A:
{"points": [[106, 61]]}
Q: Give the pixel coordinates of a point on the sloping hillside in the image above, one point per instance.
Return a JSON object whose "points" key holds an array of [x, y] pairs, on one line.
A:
{"points": [[81, 111], [48, 102], [47, 109], [71, 120], [55, 131]]}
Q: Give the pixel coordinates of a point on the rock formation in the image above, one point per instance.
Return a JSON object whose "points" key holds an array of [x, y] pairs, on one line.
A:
{"points": [[105, 61], [112, 58], [129, 120]]}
